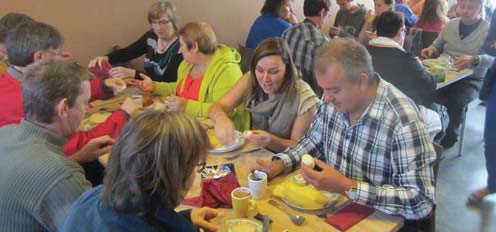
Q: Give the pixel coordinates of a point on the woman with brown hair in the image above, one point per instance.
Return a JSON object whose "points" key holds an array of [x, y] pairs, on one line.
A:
{"points": [[281, 104], [433, 17], [151, 168]]}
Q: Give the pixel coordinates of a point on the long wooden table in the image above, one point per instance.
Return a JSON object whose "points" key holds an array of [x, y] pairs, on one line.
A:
{"points": [[378, 221]]}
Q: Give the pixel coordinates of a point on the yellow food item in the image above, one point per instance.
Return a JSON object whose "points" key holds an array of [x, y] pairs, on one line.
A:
{"points": [[213, 139], [305, 196], [98, 117]]}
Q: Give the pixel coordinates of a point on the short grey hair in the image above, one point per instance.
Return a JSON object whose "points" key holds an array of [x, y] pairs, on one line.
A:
{"points": [[29, 37], [353, 57], [10, 21], [46, 83]]}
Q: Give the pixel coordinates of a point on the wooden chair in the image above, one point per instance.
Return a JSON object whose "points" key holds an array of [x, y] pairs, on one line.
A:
{"points": [[246, 54], [422, 39]]}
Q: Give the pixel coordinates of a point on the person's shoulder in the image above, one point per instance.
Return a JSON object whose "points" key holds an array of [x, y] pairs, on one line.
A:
{"points": [[399, 104]]}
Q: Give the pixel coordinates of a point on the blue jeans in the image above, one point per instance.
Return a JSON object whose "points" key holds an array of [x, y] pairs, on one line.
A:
{"points": [[490, 139]]}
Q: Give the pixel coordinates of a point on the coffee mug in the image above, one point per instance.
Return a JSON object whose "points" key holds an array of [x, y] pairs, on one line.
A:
{"points": [[241, 201], [257, 182]]}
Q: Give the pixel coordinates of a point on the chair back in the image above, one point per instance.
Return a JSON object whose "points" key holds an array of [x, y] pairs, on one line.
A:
{"points": [[422, 39], [246, 54]]}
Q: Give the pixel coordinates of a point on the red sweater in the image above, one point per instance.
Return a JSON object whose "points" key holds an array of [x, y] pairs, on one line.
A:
{"points": [[12, 111]]}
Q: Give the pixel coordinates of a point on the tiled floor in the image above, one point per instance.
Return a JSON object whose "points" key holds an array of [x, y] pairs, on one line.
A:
{"points": [[459, 176]]}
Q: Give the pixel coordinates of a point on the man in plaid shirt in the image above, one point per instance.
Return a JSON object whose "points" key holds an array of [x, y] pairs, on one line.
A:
{"points": [[374, 145], [305, 38]]}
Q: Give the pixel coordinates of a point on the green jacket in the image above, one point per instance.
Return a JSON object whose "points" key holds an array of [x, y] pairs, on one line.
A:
{"points": [[222, 73]]}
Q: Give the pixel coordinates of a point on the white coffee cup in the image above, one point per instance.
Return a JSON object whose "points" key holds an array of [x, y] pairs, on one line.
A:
{"points": [[257, 183]]}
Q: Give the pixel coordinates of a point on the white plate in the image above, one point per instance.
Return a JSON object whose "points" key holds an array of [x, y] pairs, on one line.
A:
{"points": [[333, 198], [240, 140], [243, 224]]}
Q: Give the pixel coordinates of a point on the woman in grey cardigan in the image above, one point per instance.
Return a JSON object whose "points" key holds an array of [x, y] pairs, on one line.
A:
{"points": [[462, 39]]}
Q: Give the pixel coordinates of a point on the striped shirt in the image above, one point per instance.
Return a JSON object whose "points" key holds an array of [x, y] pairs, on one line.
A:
{"points": [[303, 40], [387, 151]]}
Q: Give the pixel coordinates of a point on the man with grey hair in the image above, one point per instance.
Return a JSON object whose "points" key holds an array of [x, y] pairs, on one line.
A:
{"points": [[374, 147], [31, 42], [38, 182]]}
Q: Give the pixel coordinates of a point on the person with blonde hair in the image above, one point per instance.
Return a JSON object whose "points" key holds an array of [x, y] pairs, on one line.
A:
{"points": [[151, 169], [160, 46], [280, 102], [209, 71]]}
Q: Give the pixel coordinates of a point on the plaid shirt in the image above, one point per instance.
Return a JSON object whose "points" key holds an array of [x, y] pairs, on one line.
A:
{"points": [[303, 40], [387, 151]]}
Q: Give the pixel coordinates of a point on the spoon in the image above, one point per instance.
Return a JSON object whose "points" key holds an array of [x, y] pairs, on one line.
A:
{"points": [[296, 219]]}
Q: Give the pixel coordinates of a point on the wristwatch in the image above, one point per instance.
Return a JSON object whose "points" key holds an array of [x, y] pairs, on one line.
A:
{"points": [[476, 61], [352, 193]]}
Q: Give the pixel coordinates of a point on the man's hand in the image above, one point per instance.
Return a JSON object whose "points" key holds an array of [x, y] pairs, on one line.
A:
{"points": [[130, 106], [463, 62], [122, 72], [201, 217], [146, 84], [335, 31], [272, 168], [427, 53], [95, 148], [329, 179]]}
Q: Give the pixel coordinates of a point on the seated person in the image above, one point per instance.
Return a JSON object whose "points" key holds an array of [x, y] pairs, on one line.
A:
{"points": [[374, 147], [160, 152], [31, 42], [7, 23], [305, 37], [402, 69], [160, 46], [281, 104], [349, 19], [209, 71], [368, 31], [433, 17], [277, 16], [462, 39], [39, 183]]}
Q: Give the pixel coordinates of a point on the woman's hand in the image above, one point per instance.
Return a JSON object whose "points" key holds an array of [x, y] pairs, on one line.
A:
{"points": [[130, 106], [98, 61], [427, 53], [259, 138], [146, 84], [224, 129], [117, 84], [177, 104], [201, 217], [122, 72]]}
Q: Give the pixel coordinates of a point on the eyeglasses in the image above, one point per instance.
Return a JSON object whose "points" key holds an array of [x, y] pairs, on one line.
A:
{"points": [[162, 22], [200, 166]]}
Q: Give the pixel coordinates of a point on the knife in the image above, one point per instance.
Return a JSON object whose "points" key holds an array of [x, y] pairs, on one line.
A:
{"points": [[333, 211], [266, 223]]}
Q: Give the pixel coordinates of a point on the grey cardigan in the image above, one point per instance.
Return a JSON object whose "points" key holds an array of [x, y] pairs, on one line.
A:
{"points": [[449, 42]]}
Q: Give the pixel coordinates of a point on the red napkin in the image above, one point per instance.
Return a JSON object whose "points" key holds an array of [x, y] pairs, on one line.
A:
{"points": [[349, 216], [215, 193], [102, 71]]}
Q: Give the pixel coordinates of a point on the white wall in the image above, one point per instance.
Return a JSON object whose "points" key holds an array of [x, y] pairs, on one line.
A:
{"points": [[91, 27]]}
